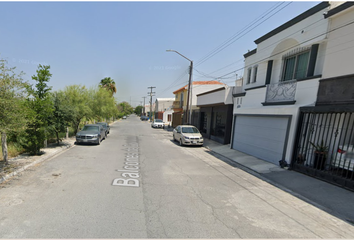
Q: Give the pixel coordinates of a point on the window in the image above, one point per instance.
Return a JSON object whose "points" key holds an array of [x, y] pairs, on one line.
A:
{"points": [[295, 66], [255, 69], [249, 71], [181, 103]]}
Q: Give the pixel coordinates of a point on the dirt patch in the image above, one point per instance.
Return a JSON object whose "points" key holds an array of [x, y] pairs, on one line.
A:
{"points": [[20, 162]]}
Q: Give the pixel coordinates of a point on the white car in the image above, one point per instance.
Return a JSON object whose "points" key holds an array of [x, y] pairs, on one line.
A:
{"points": [[157, 123], [187, 135]]}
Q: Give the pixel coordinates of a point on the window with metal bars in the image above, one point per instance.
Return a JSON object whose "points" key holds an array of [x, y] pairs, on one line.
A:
{"points": [[295, 66]]}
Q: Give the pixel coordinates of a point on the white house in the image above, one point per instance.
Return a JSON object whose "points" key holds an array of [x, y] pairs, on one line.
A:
{"points": [[281, 75], [164, 110], [324, 144]]}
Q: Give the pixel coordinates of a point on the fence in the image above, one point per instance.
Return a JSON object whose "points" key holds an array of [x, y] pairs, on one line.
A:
{"points": [[324, 146]]}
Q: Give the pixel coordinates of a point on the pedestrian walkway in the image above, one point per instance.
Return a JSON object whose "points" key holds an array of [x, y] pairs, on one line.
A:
{"points": [[326, 196]]}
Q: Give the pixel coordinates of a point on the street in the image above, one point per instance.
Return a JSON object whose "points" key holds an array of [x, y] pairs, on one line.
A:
{"points": [[140, 184]]}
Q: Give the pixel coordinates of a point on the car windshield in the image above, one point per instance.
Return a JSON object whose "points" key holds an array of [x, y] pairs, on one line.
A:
{"points": [[158, 120], [190, 130], [90, 128]]}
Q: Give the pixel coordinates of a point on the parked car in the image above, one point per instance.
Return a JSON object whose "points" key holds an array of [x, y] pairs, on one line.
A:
{"points": [[106, 127], [91, 133], [144, 118], [187, 135], [157, 123], [124, 117]]}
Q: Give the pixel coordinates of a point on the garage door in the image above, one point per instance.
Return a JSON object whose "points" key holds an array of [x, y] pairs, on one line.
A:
{"points": [[262, 137]]}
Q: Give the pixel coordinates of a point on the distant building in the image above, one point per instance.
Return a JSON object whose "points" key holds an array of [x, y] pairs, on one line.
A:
{"points": [[180, 103], [164, 110]]}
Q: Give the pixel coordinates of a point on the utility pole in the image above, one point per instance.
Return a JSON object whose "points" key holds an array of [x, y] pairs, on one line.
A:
{"points": [[144, 107], [187, 118], [151, 94]]}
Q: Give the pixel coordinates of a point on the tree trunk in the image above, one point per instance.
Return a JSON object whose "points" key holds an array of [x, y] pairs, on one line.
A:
{"points": [[58, 139], [4, 147]]}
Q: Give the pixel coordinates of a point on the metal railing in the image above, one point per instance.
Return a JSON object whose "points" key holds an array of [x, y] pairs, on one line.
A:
{"points": [[324, 147], [281, 92], [177, 104]]}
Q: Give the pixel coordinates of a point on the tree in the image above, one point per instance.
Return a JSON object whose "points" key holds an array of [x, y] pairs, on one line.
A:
{"points": [[61, 116], [138, 110], [41, 107], [78, 99], [102, 104], [124, 108], [12, 108], [108, 84]]}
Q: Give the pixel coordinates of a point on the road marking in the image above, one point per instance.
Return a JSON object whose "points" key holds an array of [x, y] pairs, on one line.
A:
{"points": [[130, 172]]}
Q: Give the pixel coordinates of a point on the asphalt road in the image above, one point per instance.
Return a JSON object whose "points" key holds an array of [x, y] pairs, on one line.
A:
{"points": [[140, 184]]}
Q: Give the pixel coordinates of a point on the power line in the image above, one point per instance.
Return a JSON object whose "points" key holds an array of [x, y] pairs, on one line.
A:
{"points": [[237, 35], [222, 46], [347, 24], [277, 42], [175, 82]]}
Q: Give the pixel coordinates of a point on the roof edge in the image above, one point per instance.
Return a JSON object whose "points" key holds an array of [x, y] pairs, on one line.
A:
{"points": [[339, 9], [254, 51], [293, 21]]}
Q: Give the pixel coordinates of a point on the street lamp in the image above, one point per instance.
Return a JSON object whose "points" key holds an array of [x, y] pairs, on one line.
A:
{"points": [[188, 117]]}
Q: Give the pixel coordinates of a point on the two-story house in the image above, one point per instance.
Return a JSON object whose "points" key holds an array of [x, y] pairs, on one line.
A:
{"points": [[324, 145], [280, 75], [180, 103], [163, 109]]}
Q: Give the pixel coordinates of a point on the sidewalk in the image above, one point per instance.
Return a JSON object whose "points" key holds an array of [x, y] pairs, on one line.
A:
{"points": [[328, 197], [22, 162]]}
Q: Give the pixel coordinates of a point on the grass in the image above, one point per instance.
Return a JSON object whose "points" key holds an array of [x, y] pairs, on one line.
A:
{"points": [[13, 150]]}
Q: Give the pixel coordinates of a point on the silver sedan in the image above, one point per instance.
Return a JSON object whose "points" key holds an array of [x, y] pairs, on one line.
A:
{"points": [[187, 135]]}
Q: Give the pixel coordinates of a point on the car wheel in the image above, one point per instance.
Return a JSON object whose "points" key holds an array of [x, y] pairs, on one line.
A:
{"points": [[98, 142], [180, 142], [174, 139]]}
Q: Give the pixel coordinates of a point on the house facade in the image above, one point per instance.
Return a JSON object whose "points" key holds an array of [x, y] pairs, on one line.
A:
{"points": [[163, 109], [215, 114], [180, 103], [325, 135], [281, 75]]}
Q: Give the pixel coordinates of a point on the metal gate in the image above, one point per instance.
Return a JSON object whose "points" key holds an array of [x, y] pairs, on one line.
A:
{"points": [[324, 145]]}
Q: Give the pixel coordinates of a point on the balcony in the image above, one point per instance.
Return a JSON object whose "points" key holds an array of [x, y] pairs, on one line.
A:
{"points": [[281, 93], [177, 104]]}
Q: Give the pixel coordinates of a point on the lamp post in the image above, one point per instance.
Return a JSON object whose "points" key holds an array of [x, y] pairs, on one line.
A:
{"points": [[188, 117]]}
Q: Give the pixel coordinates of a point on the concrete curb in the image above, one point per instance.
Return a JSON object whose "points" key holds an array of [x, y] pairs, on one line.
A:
{"points": [[261, 176], [41, 159]]}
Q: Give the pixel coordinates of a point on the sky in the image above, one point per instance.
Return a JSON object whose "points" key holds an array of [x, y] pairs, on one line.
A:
{"points": [[84, 42]]}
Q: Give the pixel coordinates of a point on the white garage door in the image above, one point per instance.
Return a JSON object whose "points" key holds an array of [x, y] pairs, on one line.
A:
{"points": [[260, 136]]}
